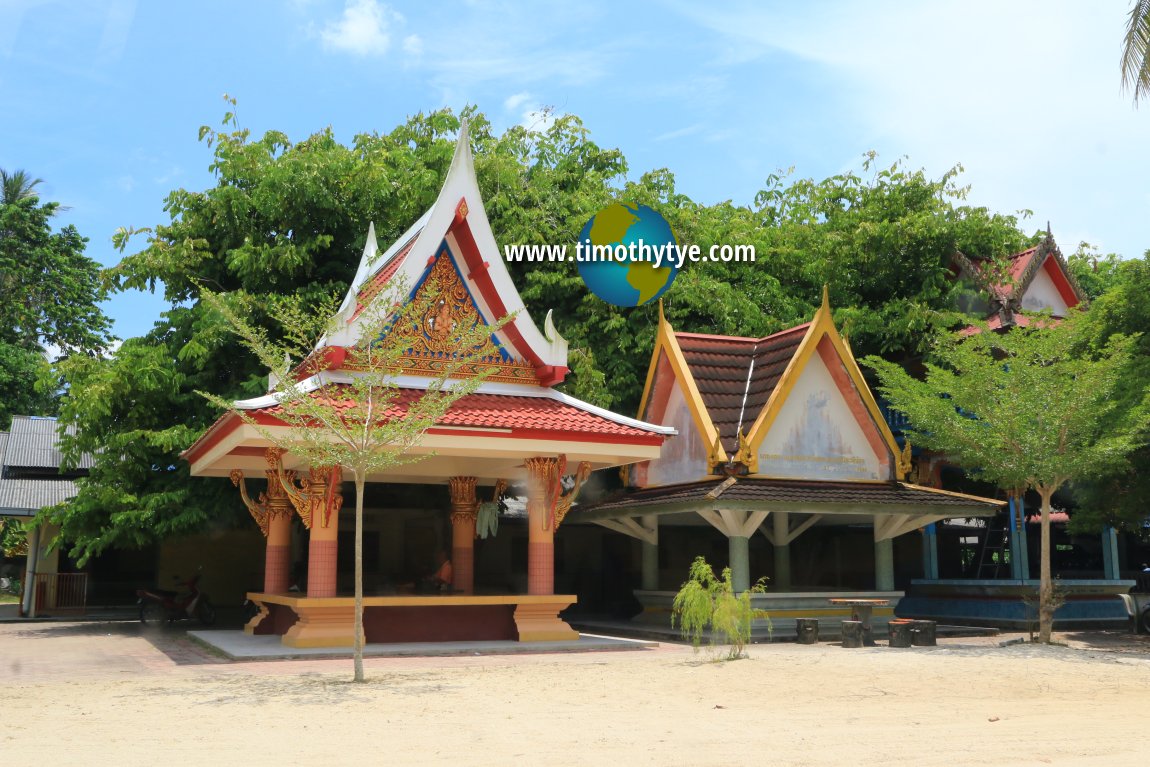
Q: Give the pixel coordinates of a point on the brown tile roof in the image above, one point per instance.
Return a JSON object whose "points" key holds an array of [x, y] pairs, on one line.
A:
{"points": [[720, 364], [807, 493]]}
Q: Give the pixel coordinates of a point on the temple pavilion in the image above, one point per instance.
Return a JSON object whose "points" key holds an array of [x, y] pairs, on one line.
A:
{"points": [[517, 428], [776, 438]]}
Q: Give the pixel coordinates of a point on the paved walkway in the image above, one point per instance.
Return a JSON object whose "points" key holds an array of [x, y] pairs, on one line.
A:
{"points": [[237, 645]]}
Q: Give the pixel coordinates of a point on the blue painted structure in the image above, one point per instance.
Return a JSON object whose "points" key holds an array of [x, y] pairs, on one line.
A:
{"points": [[1012, 604]]}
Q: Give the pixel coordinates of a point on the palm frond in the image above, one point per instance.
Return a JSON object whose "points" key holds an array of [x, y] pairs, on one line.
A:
{"points": [[1136, 50]]}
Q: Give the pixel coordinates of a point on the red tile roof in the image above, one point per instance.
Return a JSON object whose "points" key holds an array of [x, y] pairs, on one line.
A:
{"points": [[500, 411], [376, 283], [719, 365]]}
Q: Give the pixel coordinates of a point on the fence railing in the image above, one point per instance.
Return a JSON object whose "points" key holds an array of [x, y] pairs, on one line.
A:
{"points": [[58, 593]]}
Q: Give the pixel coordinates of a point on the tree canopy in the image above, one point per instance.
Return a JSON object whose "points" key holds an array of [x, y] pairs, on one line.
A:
{"points": [[1115, 495], [1024, 410], [49, 294], [289, 218]]}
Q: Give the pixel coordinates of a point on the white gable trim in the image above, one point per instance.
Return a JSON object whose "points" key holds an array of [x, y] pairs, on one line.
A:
{"points": [[460, 184]]}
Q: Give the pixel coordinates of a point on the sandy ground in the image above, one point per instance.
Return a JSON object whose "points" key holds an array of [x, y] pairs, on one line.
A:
{"points": [[111, 694]]}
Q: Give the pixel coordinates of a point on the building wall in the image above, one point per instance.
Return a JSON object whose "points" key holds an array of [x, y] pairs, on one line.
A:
{"points": [[1042, 294], [684, 456], [232, 562]]}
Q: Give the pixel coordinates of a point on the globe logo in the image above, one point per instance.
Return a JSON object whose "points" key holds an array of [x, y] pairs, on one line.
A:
{"points": [[617, 262]]}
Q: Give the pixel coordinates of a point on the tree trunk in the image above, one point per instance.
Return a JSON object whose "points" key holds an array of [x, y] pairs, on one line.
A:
{"points": [[357, 653], [1045, 584]]}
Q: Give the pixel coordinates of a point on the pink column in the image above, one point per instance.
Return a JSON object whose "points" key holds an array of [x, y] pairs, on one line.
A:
{"points": [[542, 477], [277, 556], [323, 491], [464, 508]]}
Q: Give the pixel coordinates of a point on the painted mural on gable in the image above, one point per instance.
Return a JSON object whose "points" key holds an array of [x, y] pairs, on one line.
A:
{"points": [[1043, 294], [818, 436], [684, 456]]}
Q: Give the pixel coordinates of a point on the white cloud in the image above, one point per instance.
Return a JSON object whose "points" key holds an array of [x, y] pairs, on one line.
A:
{"points": [[1024, 94], [413, 45], [364, 29], [690, 130], [515, 101]]}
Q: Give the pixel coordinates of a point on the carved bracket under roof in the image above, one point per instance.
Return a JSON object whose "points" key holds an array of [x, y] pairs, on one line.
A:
{"points": [[316, 498], [549, 472], [272, 503]]}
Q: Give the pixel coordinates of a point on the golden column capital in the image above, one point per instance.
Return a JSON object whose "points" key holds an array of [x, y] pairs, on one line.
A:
{"points": [[464, 503]]}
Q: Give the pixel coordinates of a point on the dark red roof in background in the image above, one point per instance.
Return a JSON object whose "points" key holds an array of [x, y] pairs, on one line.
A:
{"points": [[719, 365]]}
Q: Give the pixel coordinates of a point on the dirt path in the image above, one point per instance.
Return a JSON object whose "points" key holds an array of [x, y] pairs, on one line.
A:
{"points": [[105, 693]]}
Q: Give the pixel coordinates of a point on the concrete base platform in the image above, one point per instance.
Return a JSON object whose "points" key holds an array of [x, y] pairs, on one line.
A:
{"points": [[829, 630], [236, 645]]}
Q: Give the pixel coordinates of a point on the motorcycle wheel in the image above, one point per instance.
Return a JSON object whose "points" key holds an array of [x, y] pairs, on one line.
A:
{"points": [[153, 614], [205, 612], [1144, 622]]}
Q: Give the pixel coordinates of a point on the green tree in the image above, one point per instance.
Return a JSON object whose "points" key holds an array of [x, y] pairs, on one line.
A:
{"points": [[1095, 273], [287, 218], [706, 602], [1116, 494], [283, 219], [343, 424], [1136, 50], [1021, 410], [49, 294]]}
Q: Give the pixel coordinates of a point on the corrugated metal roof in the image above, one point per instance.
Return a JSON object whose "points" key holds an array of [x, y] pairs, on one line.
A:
{"points": [[33, 442], [25, 497]]}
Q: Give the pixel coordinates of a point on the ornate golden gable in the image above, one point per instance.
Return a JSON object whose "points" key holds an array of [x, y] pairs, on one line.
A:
{"points": [[430, 343]]}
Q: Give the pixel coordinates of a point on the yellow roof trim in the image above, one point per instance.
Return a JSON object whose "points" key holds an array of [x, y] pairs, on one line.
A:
{"points": [[952, 493], [822, 324], [665, 341]]}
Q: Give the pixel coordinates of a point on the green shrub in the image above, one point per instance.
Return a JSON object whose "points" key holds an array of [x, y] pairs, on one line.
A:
{"points": [[706, 602]]}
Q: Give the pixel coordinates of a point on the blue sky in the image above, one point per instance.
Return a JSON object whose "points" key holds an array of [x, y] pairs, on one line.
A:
{"points": [[103, 98]]}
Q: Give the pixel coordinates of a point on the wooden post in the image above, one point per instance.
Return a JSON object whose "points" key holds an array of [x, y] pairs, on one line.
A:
{"points": [[464, 510]]}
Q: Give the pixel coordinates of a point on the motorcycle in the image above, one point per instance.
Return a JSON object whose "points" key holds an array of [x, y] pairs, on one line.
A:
{"points": [[159, 606]]}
